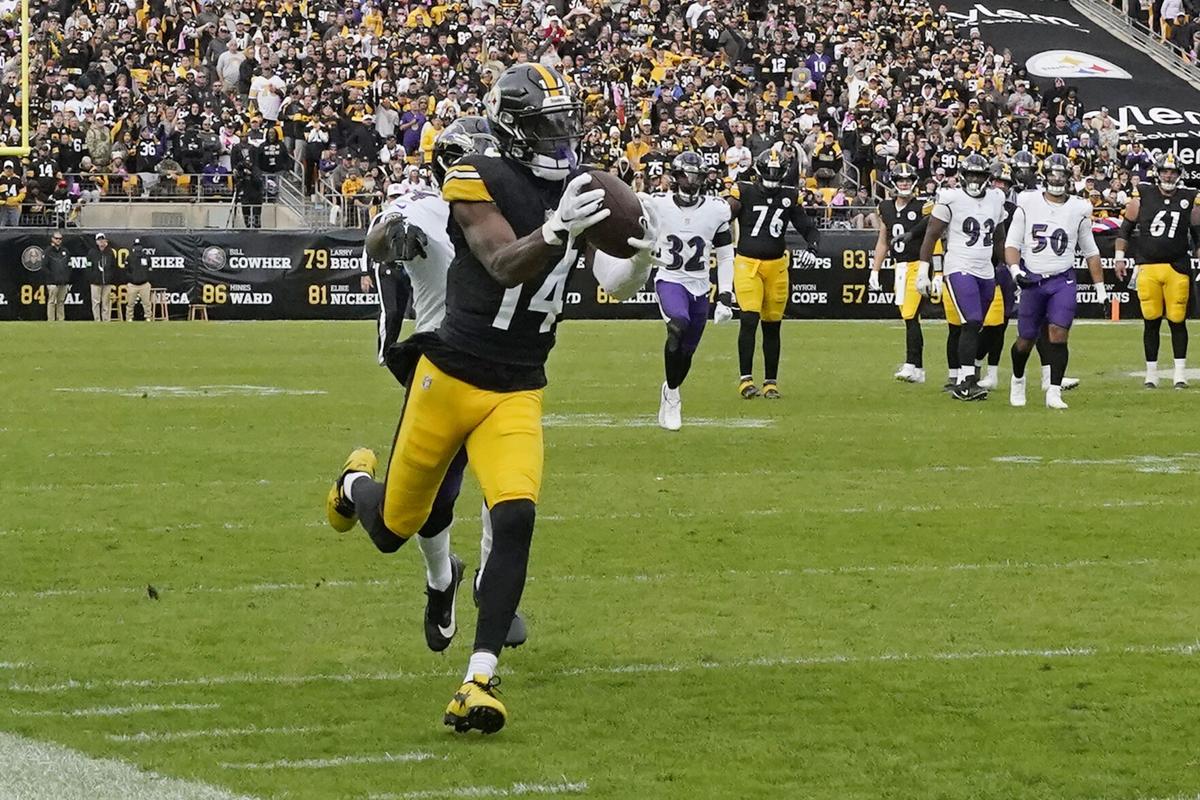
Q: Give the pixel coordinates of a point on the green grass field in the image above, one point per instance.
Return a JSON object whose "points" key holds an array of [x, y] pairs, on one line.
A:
{"points": [[863, 591]]}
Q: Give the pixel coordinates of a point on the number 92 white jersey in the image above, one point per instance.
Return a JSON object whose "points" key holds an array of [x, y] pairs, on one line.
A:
{"points": [[972, 226], [686, 236], [1046, 234]]}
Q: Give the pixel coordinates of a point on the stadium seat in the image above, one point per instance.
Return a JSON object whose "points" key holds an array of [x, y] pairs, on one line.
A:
{"points": [[158, 298], [197, 311], [116, 310]]}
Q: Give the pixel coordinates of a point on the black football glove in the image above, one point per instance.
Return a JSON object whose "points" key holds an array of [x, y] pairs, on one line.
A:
{"points": [[413, 245]]}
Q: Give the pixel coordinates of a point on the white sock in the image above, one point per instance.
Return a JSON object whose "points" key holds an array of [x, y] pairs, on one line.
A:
{"points": [[481, 663], [993, 373], [1180, 366], [673, 394], [485, 541], [1054, 392], [1151, 370], [348, 483], [436, 552], [1046, 373], [964, 373]]}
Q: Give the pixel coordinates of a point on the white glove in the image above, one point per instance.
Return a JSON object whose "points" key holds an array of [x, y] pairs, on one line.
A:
{"points": [[1015, 271], [923, 284], [935, 286], [1133, 279], [873, 282], [1101, 293], [650, 229], [807, 259], [577, 211], [722, 313]]}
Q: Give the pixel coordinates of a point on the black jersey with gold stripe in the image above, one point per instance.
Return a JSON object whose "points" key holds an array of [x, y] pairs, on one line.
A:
{"points": [[902, 221], [1163, 227], [764, 216], [502, 332]]}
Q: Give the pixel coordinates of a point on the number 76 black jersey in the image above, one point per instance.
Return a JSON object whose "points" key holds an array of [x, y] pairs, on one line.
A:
{"points": [[764, 216]]}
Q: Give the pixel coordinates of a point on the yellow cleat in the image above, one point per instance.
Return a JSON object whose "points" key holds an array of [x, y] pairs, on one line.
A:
{"points": [[476, 707], [338, 508], [747, 390], [770, 391]]}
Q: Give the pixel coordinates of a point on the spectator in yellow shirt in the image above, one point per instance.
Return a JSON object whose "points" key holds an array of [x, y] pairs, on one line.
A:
{"points": [[639, 146]]}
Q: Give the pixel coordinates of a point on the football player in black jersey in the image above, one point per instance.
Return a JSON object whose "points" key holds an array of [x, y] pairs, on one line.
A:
{"points": [[515, 223], [900, 217], [1167, 220], [763, 207]]}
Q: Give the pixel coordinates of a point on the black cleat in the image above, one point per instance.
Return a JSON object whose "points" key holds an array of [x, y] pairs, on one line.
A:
{"points": [[949, 386], [969, 390], [517, 631], [441, 622]]}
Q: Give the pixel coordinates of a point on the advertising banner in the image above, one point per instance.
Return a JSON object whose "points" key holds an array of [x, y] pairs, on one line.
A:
{"points": [[299, 275]]}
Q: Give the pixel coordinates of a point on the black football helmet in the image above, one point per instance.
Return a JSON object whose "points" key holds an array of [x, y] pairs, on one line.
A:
{"points": [[904, 179], [537, 120], [688, 176], [1056, 172], [1002, 175], [1024, 166], [771, 169], [464, 136], [975, 175], [1168, 171]]}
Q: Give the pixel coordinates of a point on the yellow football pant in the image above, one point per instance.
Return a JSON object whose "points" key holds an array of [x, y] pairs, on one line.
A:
{"points": [[1162, 290], [502, 432], [761, 286], [994, 315], [908, 299]]}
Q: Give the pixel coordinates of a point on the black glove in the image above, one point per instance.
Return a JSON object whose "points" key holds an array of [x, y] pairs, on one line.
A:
{"points": [[413, 244]]}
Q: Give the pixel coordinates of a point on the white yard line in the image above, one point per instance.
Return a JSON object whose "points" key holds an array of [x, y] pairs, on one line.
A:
{"points": [[241, 484], [31, 770], [166, 526], [211, 733], [610, 421], [522, 789], [390, 583], [117, 711], [13, 665], [330, 763], [1186, 649]]}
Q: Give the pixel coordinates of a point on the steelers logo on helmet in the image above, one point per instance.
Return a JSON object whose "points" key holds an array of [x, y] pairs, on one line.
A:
{"points": [[687, 177], [1056, 170], [770, 169], [904, 180], [464, 136], [536, 119], [975, 175], [1168, 170]]}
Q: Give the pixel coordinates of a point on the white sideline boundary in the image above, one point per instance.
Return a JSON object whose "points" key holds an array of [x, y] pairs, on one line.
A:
{"points": [[521, 789], [330, 763], [32, 770], [117, 711], [388, 583], [1184, 649], [211, 733]]}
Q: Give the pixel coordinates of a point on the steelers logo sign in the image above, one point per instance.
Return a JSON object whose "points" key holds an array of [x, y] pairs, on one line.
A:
{"points": [[1183, 203], [787, 201], [912, 215]]}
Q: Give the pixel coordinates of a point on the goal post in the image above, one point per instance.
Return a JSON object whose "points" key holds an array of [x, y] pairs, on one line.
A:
{"points": [[23, 149]]}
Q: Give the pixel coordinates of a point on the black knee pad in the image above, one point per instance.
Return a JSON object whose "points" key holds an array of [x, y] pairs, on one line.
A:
{"points": [[771, 329], [749, 319], [1153, 325], [385, 541], [512, 523], [439, 519], [676, 328]]}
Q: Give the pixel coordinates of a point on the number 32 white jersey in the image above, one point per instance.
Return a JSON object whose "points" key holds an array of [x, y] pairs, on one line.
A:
{"points": [[972, 224], [429, 212], [1046, 234], [686, 235]]}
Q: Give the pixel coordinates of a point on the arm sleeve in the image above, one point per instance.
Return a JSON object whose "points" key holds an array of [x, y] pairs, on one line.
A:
{"points": [[725, 267], [1016, 230], [804, 225], [940, 211], [620, 277], [1087, 242]]}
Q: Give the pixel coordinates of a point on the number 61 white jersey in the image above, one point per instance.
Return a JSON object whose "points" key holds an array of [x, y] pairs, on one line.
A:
{"points": [[1047, 234], [972, 226], [686, 235]]}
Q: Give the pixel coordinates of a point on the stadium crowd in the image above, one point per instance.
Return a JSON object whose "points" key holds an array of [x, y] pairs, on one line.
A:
{"points": [[154, 97]]}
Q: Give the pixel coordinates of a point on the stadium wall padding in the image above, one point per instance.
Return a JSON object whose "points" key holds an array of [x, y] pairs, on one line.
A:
{"points": [[304, 275]]}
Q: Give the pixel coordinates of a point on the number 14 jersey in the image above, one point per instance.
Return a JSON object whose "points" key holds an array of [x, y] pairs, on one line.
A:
{"points": [[687, 233]]}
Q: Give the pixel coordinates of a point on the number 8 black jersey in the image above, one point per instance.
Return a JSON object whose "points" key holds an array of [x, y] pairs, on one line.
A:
{"points": [[1163, 227], [900, 222], [497, 326], [763, 219]]}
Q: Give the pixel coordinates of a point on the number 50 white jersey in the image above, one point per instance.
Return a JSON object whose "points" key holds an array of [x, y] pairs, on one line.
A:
{"points": [[1046, 234], [972, 225], [686, 235]]}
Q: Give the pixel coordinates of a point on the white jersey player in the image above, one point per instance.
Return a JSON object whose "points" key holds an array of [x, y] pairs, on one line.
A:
{"points": [[972, 219], [1046, 230], [694, 226]]}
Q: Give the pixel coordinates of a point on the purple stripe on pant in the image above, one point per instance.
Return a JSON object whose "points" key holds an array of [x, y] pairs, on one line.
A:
{"points": [[1051, 300], [971, 295], [687, 310]]}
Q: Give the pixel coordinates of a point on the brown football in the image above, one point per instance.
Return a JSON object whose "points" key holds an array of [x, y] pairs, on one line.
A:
{"points": [[624, 222]]}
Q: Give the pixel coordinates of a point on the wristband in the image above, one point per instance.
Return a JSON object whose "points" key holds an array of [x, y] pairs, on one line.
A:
{"points": [[1119, 255], [550, 236]]}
